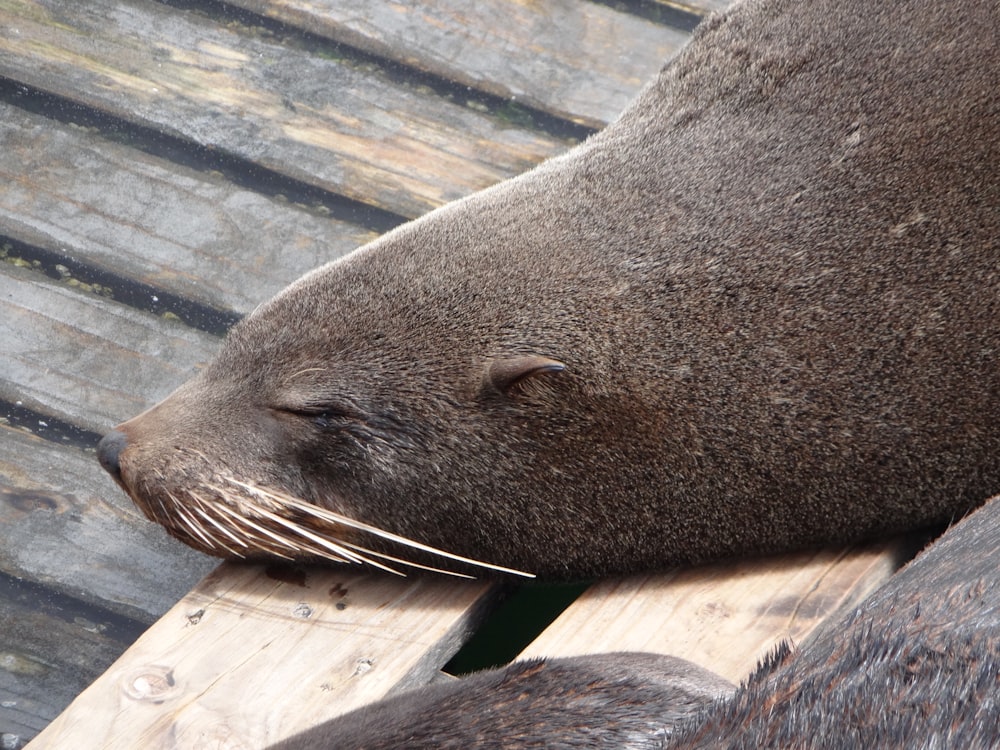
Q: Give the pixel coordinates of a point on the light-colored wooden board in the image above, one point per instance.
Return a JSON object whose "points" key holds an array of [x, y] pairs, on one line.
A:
{"points": [[325, 122], [85, 358], [68, 190], [574, 59], [245, 660], [724, 617]]}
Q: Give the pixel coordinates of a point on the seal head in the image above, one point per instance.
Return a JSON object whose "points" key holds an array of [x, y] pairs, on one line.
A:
{"points": [[758, 312]]}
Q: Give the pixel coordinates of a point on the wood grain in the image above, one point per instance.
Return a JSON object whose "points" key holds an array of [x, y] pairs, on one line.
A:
{"points": [[67, 526], [51, 648], [578, 60], [124, 211], [325, 122], [83, 574], [699, 7], [85, 358]]}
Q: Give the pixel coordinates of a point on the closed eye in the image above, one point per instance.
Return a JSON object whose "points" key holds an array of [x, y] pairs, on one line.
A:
{"points": [[325, 416]]}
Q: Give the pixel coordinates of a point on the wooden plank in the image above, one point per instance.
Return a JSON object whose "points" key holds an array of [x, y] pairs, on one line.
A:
{"points": [[95, 572], [325, 122], [66, 526], [245, 659], [51, 648], [85, 358], [724, 617], [121, 210], [82, 574], [699, 7], [577, 60]]}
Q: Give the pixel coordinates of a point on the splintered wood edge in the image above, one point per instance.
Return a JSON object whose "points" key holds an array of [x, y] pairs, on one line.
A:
{"points": [[723, 617], [245, 660]]}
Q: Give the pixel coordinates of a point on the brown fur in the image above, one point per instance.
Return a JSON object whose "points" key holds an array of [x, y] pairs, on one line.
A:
{"points": [[759, 312], [626, 701]]}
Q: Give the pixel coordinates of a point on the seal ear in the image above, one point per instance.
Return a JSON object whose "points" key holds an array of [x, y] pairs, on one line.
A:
{"points": [[508, 374]]}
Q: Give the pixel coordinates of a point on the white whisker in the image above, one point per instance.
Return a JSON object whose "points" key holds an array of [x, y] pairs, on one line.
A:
{"points": [[254, 519], [191, 524], [268, 534], [336, 518], [202, 508], [410, 564], [335, 547]]}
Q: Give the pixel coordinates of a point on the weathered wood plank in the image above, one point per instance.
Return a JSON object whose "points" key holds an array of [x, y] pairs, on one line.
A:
{"points": [[324, 122], [124, 211], [89, 360], [700, 7], [724, 617], [51, 648], [245, 659], [577, 60], [68, 527], [97, 573], [82, 573]]}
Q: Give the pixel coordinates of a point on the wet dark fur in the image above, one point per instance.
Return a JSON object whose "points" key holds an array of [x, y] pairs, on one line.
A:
{"points": [[757, 313], [621, 700], [916, 666]]}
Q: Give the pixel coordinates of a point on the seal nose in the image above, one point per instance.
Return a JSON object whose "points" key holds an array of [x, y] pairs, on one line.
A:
{"points": [[109, 451]]}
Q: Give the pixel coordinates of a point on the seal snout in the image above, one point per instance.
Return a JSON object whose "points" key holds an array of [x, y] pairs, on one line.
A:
{"points": [[109, 452]]}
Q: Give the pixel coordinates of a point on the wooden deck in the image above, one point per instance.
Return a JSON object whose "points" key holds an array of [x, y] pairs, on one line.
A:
{"points": [[164, 167]]}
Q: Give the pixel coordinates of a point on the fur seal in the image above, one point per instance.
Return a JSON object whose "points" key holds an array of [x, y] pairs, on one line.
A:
{"points": [[914, 666], [758, 312]]}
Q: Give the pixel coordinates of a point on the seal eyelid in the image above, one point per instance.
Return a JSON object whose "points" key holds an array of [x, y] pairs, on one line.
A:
{"points": [[324, 414]]}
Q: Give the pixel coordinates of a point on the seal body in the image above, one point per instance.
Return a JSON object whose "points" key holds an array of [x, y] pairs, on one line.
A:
{"points": [[758, 312]]}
